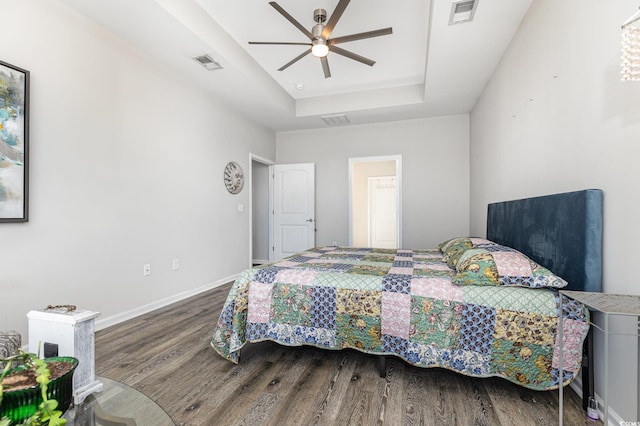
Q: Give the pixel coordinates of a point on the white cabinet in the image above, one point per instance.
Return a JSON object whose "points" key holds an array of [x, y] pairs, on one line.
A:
{"points": [[74, 334]]}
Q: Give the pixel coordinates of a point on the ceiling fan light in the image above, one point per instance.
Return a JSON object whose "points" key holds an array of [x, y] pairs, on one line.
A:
{"points": [[319, 49]]}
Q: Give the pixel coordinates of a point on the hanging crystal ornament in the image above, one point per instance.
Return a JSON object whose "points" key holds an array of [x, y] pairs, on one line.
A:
{"points": [[630, 57]]}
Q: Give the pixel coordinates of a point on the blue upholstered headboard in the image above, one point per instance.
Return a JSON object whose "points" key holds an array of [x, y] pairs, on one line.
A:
{"points": [[562, 232]]}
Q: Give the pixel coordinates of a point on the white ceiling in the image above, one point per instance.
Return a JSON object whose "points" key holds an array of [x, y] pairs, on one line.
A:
{"points": [[425, 68]]}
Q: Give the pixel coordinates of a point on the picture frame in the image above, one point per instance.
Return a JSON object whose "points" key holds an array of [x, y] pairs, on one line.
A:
{"points": [[14, 144]]}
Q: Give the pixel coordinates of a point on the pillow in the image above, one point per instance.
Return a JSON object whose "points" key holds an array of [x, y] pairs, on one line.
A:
{"points": [[455, 247], [455, 250], [498, 265], [443, 246]]}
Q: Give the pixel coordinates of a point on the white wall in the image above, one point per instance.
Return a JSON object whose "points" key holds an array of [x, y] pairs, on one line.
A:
{"points": [[555, 117], [435, 174], [126, 169]]}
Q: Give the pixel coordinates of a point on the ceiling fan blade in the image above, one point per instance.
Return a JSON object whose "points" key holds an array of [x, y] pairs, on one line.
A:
{"points": [[325, 67], [291, 19], [360, 36], [294, 60], [280, 42], [333, 19], [351, 55]]}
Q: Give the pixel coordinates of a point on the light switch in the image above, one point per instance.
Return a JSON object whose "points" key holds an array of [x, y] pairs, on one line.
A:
{"points": [[240, 207]]}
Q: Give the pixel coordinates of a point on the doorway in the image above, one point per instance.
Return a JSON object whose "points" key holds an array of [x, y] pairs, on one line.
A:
{"points": [[260, 229], [375, 201], [282, 210]]}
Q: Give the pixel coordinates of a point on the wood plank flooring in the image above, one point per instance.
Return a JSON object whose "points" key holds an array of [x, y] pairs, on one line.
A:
{"points": [[166, 355]]}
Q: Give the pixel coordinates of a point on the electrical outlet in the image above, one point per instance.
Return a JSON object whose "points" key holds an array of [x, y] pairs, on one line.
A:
{"points": [[335, 244], [147, 269], [176, 264]]}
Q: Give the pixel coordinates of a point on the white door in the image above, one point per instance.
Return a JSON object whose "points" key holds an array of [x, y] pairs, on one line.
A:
{"points": [[382, 212], [293, 209]]}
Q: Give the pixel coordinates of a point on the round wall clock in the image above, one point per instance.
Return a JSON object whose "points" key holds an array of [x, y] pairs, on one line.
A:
{"points": [[233, 177]]}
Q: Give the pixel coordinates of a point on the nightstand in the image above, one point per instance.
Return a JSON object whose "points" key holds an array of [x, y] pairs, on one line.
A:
{"points": [[608, 304]]}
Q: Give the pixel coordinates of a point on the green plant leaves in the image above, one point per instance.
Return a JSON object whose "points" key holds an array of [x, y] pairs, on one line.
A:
{"points": [[47, 413]]}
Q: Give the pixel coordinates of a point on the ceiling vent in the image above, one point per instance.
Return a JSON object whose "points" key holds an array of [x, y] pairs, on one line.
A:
{"points": [[336, 120], [207, 62], [462, 11]]}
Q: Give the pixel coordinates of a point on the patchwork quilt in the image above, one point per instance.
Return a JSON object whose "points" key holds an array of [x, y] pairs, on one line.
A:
{"points": [[403, 303]]}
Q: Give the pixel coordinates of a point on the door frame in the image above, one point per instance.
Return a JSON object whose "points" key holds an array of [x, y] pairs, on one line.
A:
{"points": [[269, 163], [398, 160]]}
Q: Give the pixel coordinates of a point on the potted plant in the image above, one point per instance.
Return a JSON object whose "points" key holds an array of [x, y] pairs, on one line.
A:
{"points": [[31, 395]]}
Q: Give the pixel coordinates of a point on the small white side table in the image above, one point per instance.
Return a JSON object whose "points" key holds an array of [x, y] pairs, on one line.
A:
{"points": [[74, 333], [608, 304]]}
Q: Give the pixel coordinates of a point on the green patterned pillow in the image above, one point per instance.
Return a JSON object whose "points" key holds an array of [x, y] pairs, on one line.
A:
{"points": [[455, 250], [444, 246], [455, 247], [499, 265]]}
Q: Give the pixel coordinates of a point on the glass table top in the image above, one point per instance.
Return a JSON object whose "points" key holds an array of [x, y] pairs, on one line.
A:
{"points": [[117, 404]]}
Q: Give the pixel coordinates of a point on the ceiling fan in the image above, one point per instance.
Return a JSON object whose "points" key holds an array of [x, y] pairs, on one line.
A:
{"points": [[320, 43]]}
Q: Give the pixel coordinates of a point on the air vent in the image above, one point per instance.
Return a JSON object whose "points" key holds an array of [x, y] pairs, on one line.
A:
{"points": [[462, 11], [207, 62], [336, 120]]}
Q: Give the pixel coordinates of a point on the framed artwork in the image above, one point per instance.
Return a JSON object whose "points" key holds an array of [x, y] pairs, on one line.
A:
{"points": [[14, 143]]}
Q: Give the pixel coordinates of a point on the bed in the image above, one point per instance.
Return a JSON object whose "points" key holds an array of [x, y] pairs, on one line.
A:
{"points": [[483, 307]]}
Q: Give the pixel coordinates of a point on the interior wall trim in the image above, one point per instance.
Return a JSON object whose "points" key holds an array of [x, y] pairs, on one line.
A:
{"points": [[102, 323]]}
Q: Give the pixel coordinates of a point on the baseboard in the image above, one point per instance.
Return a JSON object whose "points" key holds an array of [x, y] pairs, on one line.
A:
{"points": [[576, 385], [614, 418], [102, 323], [259, 261]]}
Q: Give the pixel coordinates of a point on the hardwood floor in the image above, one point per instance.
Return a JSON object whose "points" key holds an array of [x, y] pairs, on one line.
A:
{"points": [[166, 355]]}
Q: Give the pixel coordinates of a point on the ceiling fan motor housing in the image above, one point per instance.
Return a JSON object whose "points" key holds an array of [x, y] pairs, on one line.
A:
{"points": [[317, 31], [319, 15]]}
